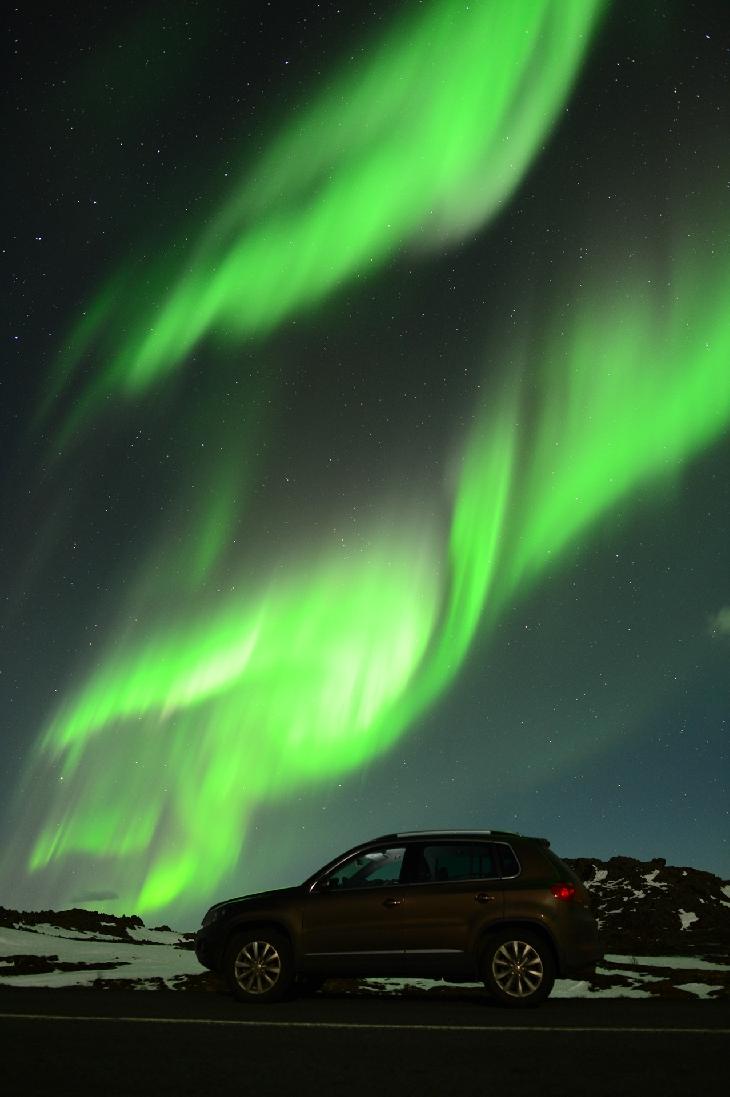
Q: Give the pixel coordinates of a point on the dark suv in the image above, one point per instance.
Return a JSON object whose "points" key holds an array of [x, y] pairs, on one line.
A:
{"points": [[460, 905]]}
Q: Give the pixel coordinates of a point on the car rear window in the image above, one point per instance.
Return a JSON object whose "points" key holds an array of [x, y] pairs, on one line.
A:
{"points": [[508, 863], [457, 861]]}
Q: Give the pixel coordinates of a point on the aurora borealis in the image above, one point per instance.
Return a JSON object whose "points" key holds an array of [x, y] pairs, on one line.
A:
{"points": [[422, 141], [377, 477]]}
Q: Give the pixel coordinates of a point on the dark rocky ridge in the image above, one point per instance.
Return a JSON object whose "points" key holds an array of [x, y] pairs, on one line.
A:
{"points": [[645, 907], [86, 921]]}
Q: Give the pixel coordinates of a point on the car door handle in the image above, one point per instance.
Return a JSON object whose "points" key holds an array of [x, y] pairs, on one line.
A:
{"points": [[482, 897], [392, 902]]}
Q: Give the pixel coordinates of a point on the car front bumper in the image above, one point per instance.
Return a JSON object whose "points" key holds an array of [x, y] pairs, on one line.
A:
{"points": [[207, 948]]}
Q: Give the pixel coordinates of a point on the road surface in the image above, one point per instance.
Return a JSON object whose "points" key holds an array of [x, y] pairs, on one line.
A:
{"points": [[55, 1043]]}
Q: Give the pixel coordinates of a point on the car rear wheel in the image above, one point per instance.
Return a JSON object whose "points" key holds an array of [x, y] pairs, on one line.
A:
{"points": [[518, 969], [259, 967]]}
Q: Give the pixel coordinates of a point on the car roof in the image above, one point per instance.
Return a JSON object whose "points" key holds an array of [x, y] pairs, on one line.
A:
{"points": [[453, 834]]}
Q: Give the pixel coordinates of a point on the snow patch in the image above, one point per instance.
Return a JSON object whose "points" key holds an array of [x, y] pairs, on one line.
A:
{"points": [[687, 917], [619, 992], [419, 984], [44, 929], [630, 973], [702, 990], [683, 962]]}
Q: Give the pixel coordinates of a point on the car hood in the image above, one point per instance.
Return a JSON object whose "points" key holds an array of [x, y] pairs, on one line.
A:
{"points": [[261, 898]]}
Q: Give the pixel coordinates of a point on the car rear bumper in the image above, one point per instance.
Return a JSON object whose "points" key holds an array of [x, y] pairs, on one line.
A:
{"points": [[580, 959]]}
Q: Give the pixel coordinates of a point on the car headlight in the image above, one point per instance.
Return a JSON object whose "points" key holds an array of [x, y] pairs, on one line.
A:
{"points": [[214, 914]]}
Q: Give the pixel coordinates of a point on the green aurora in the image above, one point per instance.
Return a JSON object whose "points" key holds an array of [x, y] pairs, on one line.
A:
{"points": [[420, 143], [278, 686], [323, 672]]}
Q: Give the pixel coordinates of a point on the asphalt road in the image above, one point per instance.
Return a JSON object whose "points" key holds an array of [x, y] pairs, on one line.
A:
{"points": [[135, 1043]]}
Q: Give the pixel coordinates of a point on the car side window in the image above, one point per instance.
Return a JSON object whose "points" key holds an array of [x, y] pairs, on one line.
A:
{"points": [[375, 868], [454, 861]]}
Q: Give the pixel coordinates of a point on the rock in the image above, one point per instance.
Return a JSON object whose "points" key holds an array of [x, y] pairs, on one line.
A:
{"points": [[645, 907]]}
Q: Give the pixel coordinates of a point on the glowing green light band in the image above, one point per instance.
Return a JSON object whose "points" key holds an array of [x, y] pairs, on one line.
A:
{"points": [[420, 142]]}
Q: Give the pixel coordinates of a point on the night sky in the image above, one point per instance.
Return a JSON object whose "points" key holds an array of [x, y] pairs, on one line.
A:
{"points": [[365, 438]]}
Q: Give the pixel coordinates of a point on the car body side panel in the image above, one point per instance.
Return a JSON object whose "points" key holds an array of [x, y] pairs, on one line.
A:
{"points": [[353, 929], [442, 921]]}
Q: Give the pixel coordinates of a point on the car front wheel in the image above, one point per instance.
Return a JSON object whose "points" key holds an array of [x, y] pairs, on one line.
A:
{"points": [[259, 967], [518, 969]]}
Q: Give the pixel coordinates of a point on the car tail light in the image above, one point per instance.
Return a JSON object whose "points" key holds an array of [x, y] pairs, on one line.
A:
{"points": [[563, 891]]}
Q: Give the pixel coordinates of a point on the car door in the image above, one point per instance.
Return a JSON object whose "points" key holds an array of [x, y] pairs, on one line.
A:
{"points": [[351, 920], [453, 893]]}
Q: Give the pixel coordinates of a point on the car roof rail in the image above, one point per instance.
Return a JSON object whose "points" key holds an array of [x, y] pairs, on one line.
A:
{"points": [[447, 832]]}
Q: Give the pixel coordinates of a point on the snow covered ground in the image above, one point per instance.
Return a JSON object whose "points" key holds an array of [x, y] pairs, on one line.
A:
{"points": [[46, 955], [624, 975], [78, 957]]}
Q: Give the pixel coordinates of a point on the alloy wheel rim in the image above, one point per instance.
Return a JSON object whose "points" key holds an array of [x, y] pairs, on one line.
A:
{"points": [[517, 969], [257, 967]]}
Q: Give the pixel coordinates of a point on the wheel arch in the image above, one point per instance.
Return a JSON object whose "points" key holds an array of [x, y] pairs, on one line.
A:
{"points": [[248, 925]]}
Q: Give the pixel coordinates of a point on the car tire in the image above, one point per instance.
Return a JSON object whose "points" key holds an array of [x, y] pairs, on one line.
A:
{"points": [[518, 968], [259, 966]]}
